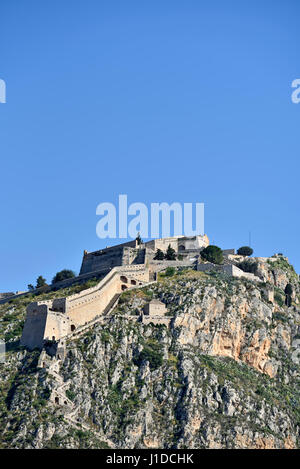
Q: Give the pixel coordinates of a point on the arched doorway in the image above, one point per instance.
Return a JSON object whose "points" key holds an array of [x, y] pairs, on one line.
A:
{"points": [[123, 287], [181, 248], [73, 328], [133, 282], [124, 279]]}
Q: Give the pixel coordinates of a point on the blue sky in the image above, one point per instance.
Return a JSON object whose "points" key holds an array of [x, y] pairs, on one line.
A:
{"points": [[164, 101]]}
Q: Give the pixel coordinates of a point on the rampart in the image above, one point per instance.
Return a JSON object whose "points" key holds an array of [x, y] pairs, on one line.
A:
{"points": [[228, 269], [51, 320]]}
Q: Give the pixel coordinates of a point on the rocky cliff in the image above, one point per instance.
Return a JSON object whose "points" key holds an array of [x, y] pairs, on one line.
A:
{"points": [[225, 374]]}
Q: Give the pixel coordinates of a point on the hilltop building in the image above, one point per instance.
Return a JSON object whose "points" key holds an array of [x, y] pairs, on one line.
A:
{"points": [[118, 268]]}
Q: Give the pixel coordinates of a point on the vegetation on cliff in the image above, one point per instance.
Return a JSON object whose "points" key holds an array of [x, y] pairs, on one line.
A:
{"points": [[225, 374]]}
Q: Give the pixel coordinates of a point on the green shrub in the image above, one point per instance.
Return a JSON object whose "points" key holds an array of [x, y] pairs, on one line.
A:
{"points": [[41, 282], [70, 394], [170, 271], [248, 266], [278, 298], [159, 255], [152, 352], [212, 254], [63, 275], [245, 251], [170, 254], [279, 317]]}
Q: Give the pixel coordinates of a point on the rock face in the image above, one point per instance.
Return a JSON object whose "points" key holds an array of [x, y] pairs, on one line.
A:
{"points": [[225, 374]]}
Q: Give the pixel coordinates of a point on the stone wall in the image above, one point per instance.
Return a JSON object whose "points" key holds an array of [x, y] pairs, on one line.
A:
{"points": [[228, 252], [83, 306], [34, 327], [228, 269], [6, 295], [62, 284], [57, 325], [166, 320], [112, 257], [178, 243], [236, 272], [158, 266], [155, 308], [105, 259], [54, 319]]}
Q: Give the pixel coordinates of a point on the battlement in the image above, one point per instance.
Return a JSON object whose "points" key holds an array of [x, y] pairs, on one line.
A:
{"points": [[131, 253], [52, 320], [125, 266]]}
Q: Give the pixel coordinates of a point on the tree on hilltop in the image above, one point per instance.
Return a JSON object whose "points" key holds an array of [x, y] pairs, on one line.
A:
{"points": [[245, 251], [40, 282], [63, 275], [170, 254], [159, 255], [212, 254], [139, 239]]}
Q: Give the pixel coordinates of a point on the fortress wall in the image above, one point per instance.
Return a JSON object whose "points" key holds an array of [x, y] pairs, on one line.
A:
{"points": [[131, 255], [157, 320], [209, 267], [228, 252], [84, 306], [34, 327], [6, 295], [62, 284], [229, 269], [142, 276], [193, 243], [131, 244], [86, 310], [59, 304], [109, 257], [164, 243], [188, 242], [102, 260], [57, 325], [54, 319], [236, 272], [132, 270], [153, 309], [157, 266]]}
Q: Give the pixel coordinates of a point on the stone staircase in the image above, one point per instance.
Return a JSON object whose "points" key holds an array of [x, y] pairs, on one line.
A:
{"points": [[70, 412]]}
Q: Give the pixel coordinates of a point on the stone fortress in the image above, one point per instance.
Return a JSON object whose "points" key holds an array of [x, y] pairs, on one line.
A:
{"points": [[121, 267]]}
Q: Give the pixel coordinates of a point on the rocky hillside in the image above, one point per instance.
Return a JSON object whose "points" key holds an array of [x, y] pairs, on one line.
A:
{"points": [[224, 375]]}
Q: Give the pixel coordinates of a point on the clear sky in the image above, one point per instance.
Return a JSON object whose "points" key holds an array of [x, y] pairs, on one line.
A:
{"points": [[164, 100]]}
